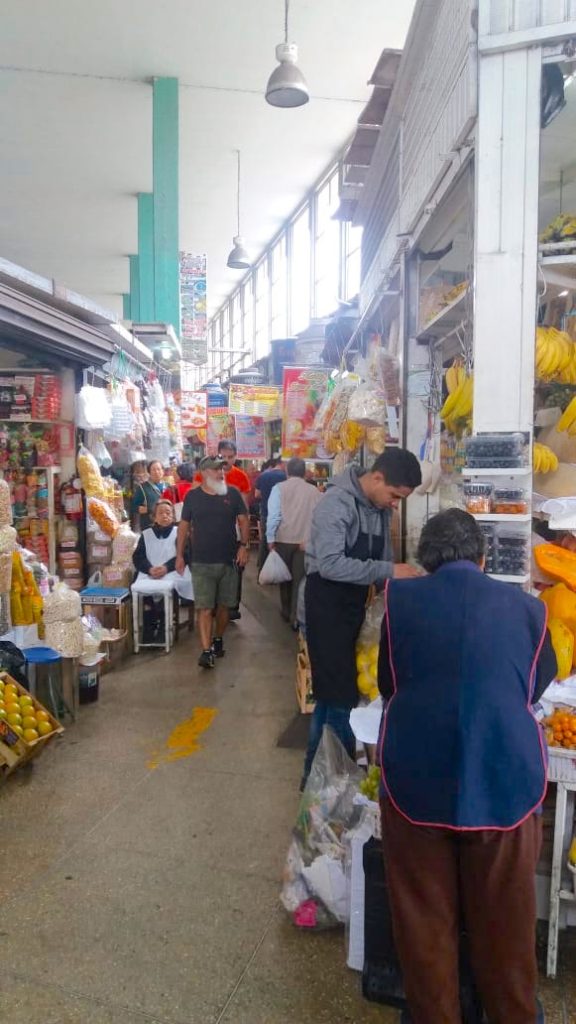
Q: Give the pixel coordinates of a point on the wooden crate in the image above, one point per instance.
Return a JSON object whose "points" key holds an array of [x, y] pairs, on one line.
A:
{"points": [[14, 749], [304, 679]]}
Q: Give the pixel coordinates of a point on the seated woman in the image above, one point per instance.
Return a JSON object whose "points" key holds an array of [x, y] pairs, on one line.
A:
{"points": [[155, 561]]}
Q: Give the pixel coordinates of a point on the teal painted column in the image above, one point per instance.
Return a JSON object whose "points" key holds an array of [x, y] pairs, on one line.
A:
{"points": [[126, 306], [134, 288], [165, 201], [146, 256]]}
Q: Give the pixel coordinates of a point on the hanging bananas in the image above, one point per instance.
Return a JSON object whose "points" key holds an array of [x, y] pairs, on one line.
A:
{"points": [[544, 460], [567, 421], [457, 409], [555, 355]]}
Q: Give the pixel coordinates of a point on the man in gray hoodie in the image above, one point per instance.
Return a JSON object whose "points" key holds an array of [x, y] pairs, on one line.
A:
{"points": [[350, 549]]}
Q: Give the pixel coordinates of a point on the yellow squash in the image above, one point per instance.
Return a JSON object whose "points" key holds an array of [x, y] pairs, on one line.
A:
{"points": [[563, 644]]}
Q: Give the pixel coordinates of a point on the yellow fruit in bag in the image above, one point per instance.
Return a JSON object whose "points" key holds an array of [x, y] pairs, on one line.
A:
{"points": [[563, 644], [365, 683]]}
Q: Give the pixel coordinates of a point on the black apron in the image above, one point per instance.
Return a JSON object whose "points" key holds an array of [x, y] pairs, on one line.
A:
{"points": [[334, 616]]}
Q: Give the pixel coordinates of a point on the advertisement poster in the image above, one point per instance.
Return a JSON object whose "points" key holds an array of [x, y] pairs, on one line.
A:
{"points": [[193, 319], [304, 388], [220, 428], [250, 437], [193, 410], [255, 400]]}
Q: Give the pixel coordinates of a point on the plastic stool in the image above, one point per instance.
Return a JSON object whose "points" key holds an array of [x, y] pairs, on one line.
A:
{"points": [[49, 657], [167, 595]]}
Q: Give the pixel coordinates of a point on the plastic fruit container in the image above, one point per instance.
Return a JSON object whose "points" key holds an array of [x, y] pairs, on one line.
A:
{"points": [[510, 502], [478, 498]]}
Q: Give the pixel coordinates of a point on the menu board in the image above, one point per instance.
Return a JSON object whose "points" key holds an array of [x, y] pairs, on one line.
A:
{"points": [[220, 428], [255, 400], [303, 391], [193, 410], [250, 437]]}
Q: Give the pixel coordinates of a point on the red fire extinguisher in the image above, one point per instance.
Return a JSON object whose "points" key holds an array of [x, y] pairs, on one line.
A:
{"points": [[71, 495]]}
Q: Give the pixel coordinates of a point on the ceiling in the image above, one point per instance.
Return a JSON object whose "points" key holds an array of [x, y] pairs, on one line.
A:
{"points": [[76, 108]]}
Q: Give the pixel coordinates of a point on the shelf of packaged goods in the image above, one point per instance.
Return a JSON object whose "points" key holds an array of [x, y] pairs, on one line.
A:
{"points": [[445, 320], [509, 579], [502, 517], [518, 471], [56, 423]]}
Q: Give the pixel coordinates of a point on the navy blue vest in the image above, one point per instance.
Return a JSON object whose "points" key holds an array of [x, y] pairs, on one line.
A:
{"points": [[460, 747]]}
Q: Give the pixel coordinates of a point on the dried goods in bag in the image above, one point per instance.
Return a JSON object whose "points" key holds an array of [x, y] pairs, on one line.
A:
{"points": [[62, 605], [103, 516], [5, 504], [89, 473]]}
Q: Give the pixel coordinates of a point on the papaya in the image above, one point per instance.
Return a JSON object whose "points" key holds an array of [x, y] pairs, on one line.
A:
{"points": [[557, 562], [563, 644]]}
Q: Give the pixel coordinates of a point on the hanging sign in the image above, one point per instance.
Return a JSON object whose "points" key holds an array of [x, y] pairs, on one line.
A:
{"points": [[304, 388], [255, 400], [220, 428], [250, 437], [193, 410], [193, 319]]}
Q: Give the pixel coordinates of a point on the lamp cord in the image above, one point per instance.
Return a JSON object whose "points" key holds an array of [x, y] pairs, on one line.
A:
{"points": [[286, 6]]}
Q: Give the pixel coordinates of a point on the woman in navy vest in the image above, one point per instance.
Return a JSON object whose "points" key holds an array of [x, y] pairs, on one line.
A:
{"points": [[462, 660]]}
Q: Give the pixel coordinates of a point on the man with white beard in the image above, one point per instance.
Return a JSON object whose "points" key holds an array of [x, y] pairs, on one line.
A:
{"points": [[210, 515]]}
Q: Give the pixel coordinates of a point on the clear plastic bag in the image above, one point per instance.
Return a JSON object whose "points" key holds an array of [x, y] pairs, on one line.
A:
{"points": [[314, 888], [103, 516], [5, 504], [124, 545], [89, 473], [274, 570], [367, 406], [93, 410], [62, 605], [367, 649]]}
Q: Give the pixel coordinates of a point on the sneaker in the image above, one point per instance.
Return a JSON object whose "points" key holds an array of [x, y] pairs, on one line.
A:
{"points": [[218, 647], [206, 660]]}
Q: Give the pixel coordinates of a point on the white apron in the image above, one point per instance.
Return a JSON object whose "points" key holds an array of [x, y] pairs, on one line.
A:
{"points": [[160, 550]]}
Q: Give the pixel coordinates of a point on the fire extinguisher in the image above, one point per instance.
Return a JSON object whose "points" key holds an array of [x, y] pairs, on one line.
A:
{"points": [[71, 496]]}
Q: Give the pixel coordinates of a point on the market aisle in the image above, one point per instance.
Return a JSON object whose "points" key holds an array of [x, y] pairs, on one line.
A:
{"points": [[130, 893]]}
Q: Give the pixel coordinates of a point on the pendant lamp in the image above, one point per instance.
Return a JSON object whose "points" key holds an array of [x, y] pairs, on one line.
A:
{"points": [[287, 86], [238, 258]]}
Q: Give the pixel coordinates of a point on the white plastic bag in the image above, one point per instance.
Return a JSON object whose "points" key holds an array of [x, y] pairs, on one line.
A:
{"points": [[274, 570]]}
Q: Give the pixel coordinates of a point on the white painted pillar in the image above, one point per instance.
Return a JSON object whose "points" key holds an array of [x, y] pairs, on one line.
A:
{"points": [[506, 242]]}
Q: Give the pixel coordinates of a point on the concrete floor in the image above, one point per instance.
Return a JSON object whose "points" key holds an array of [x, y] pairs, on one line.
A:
{"points": [[134, 888]]}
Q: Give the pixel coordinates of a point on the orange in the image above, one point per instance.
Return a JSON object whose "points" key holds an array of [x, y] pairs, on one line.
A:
{"points": [[29, 722], [18, 729], [30, 735], [14, 719], [44, 728], [42, 716]]}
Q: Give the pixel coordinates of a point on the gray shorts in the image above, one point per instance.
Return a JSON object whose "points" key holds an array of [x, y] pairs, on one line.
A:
{"points": [[214, 584]]}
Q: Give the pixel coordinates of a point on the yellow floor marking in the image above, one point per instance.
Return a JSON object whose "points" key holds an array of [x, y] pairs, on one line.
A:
{"points": [[183, 741]]}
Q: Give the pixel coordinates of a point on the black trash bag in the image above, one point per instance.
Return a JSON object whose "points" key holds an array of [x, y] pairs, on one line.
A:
{"points": [[13, 661]]}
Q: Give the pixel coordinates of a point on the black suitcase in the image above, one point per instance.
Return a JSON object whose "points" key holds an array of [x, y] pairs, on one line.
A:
{"points": [[382, 975]]}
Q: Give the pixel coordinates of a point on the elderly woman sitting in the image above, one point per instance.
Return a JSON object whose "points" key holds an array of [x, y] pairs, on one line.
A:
{"points": [[155, 561]]}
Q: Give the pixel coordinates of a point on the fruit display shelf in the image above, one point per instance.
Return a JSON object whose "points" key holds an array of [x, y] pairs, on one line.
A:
{"points": [[445, 320], [512, 472], [502, 517], [520, 580], [15, 748]]}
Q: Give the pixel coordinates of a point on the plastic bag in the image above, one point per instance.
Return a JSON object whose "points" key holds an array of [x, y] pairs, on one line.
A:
{"points": [[367, 649], [93, 411], [62, 605], [104, 516], [274, 570], [5, 504], [367, 406], [314, 889], [89, 473], [124, 545], [66, 637]]}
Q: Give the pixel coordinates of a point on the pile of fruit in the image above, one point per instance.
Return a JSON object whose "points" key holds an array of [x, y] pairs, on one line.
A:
{"points": [[24, 715], [457, 409], [367, 665], [560, 729], [561, 229], [555, 355], [370, 786]]}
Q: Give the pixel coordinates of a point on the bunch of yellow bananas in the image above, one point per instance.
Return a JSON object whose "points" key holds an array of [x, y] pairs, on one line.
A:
{"points": [[457, 408], [544, 459], [567, 420], [563, 226], [555, 355]]}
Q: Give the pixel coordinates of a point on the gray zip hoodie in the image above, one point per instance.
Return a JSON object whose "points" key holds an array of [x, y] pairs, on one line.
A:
{"points": [[338, 519]]}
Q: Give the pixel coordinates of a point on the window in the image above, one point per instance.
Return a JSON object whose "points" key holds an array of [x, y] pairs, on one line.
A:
{"points": [[300, 273], [326, 249], [236, 322], [262, 305], [353, 260], [248, 314], [279, 289]]}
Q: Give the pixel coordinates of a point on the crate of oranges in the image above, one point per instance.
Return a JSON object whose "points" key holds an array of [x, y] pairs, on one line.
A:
{"points": [[560, 732], [25, 725]]}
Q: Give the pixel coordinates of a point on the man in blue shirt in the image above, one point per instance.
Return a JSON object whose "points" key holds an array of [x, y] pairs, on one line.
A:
{"points": [[272, 475]]}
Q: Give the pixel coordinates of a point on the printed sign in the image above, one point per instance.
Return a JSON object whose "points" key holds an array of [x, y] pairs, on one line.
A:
{"points": [[220, 428], [304, 388], [193, 319], [250, 437], [255, 400], [193, 411]]}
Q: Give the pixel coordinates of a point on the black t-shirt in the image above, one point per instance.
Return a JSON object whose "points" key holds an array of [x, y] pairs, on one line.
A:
{"points": [[213, 520]]}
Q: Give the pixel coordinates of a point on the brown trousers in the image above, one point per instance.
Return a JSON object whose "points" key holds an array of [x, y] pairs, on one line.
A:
{"points": [[437, 879]]}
